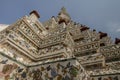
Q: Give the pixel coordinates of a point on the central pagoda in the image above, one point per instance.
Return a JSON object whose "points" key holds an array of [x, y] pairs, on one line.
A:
{"points": [[57, 49]]}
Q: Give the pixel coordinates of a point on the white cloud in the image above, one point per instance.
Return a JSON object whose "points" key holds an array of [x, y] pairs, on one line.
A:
{"points": [[3, 26], [118, 30], [113, 27]]}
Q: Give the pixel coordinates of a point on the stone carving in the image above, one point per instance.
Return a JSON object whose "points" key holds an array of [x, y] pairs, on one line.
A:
{"points": [[57, 72]]}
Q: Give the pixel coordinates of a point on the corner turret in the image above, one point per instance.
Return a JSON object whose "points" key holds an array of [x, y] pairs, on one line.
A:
{"points": [[34, 15]]}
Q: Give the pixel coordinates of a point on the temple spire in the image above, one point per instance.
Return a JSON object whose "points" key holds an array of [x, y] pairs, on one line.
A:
{"points": [[63, 16], [64, 11]]}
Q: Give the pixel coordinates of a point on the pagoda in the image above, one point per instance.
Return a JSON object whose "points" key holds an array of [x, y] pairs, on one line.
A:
{"points": [[57, 49]]}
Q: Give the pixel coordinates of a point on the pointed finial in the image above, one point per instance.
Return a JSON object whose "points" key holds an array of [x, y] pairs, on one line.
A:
{"points": [[63, 9]]}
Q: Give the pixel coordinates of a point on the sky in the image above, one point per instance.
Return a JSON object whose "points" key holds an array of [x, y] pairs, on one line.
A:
{"points": [[102, 15]]}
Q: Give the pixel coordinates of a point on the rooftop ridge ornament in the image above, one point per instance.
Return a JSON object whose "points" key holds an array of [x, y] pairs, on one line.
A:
{"points": [[84, 28], [102, 34], [117, 40]]}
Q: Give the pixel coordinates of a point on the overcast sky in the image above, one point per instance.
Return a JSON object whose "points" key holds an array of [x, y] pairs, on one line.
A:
{"points": [[102, 15]]}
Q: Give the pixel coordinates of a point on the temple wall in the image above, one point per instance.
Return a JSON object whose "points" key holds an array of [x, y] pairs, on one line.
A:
{"points": [[106, 77], [68, 69], [58, 70], [11, 69]]}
